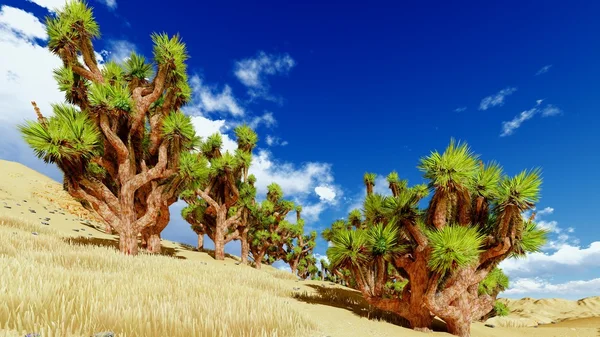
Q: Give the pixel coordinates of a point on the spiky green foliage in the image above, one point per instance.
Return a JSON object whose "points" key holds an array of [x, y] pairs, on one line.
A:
{"points": [[393, 177], [457, 166], [454, 247], [70, 138], [136, 67], [383, 241], [178, 127], [487, 180], [532, 239], [369, 178], [521, 190], [501, 309], [70, 25], [495, 282], [246, 137], [348, 248]]}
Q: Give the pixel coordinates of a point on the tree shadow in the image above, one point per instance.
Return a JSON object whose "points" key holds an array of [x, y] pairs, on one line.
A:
{"points": [[114, 243], [353, 301], [210, 253]]}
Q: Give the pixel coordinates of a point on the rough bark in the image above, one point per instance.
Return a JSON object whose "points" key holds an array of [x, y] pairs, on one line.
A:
{"points": [[128, 242], [201, 241], [245, 246]]}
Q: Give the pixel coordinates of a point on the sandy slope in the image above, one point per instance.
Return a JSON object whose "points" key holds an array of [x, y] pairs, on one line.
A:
{"points": [[23, 190]]}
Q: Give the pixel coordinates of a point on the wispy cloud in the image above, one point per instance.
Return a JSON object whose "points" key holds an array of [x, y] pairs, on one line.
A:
{"points": [[274, 141], [540, 287], [119, 50], [460, 109], [253, 72], [543, 70], [509, 127], [496, 99], [267, 119]]}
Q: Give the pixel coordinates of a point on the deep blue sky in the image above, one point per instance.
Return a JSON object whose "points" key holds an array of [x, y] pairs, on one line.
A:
{"points": [[375, 85]]}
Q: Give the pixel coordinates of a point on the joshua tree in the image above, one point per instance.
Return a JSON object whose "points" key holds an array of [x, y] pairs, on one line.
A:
{"points": [[221, 184], [441, 253], [119, 137], [495, 282], [268, 229], [369, 180], [307, 268], [298, 246]]}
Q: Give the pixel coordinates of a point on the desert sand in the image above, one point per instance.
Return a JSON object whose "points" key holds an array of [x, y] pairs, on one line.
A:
{"points": [[33, 197]]}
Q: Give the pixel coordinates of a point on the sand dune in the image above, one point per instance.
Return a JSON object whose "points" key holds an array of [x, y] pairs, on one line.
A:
{"points": [[35, 198]]}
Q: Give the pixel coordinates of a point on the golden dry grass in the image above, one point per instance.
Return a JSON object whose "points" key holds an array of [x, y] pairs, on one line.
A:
{"points": [[60, 290]]}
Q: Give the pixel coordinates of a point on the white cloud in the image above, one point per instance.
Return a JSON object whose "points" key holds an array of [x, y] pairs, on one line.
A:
{"points": [[51, 5], [273, 141], [267, 119], [461, 109], [311, 212], [551, 110], [206, 127], [208, 99], [571, 289], [325, 193], [509, 127], [545, 211], [253, 72], [21, 23], [543, 70], [496, 99], [120, 50], [293, 180], [566, 257]]}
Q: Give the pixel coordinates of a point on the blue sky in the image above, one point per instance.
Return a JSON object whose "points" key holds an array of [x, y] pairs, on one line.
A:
{"points": [[337, 89]]}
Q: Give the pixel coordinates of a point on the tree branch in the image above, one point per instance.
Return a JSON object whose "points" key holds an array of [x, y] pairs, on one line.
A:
{"points": [[114, 140]]}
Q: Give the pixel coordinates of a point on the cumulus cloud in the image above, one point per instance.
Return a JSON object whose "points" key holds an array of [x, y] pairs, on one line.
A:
{"points": [[209, 99], [325, 193], [253, 72], [508, 128], [21, 23], [496, 99], [50, 5], [206, 127], [543, 70]]}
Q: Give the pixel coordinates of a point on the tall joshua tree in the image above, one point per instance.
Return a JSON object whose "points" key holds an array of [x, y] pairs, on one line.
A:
{"points": [[119, 137], [221, 186], [369, 180], [268, 228], [443, 253]]}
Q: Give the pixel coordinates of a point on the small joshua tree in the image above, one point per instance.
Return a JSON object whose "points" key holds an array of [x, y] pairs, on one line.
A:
{"points": [[443, 253], [120, 134], [268, 229], [220, 194], [298, 247]]}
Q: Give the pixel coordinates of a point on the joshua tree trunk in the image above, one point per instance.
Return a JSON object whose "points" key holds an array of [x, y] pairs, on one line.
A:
{"points": [[219, 243], [258, 259], [245, 246], [128, 242], [294, 266], [200, 241]]}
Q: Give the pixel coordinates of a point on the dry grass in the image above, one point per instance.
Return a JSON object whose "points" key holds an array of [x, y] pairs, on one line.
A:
{"points": [[60, 290]]}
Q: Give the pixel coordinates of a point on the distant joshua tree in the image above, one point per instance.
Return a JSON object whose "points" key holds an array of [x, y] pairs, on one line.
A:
{"points": [[221, 193], [119, 138], [441, 261]]}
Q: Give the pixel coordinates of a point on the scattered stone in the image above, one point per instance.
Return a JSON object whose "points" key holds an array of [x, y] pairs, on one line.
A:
{"points": [[24, 200], [90, 234], [46, 219], [105, 334], [51, 212], [296, 288], [18, 204], [32, 211], [34, 334], [83, 229], [34, 233], [45, 223], [75, 230], [7, 207], [490, 325]]}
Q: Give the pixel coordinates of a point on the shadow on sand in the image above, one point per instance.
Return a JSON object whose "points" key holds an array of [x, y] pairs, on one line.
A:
{"points": [[114, 243], [353, 301]]}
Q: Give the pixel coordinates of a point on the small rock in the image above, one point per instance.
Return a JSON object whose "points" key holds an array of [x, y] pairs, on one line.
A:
{"points": [[32, 211], [34, 233], [18, 204], [24, 200], [76, 230], [45, 224], [7, 207], [490, 325], [90, 234], [296, 288], [34, 334], [83, 229], [46, 219], [105, 334]]}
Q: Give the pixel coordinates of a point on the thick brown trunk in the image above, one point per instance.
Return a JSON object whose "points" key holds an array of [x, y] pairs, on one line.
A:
{"points": [[460, 327], [201, 241], [219, 247], [153, 243], [245, 247], [294, 266], [258, 260], [441, 210], [369, 189], [128, 243], [219, 237]]}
